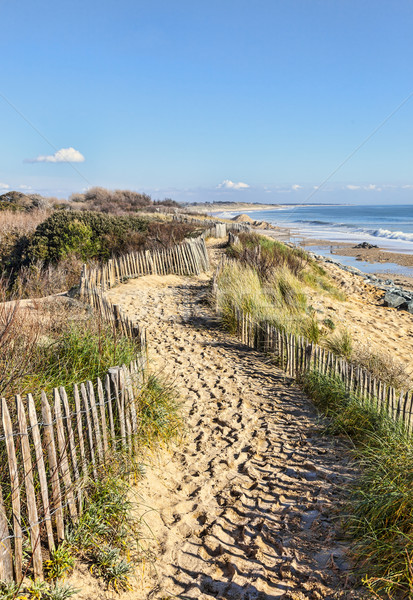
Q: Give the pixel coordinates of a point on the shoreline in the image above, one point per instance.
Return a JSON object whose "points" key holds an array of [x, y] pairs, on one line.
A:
{"points": [[239, 207], [371, 256]]}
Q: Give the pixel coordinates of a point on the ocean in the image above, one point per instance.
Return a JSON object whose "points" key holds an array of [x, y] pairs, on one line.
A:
{"points": [[388, 226]]}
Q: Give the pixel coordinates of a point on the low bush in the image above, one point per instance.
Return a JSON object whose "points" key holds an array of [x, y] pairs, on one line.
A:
{"points": [[82, 233], [48, 259], [38, 279], [118, 201]]}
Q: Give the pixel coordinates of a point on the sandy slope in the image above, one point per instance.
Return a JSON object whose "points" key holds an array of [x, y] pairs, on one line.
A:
{"points": [[371, 324], [247, 505]]}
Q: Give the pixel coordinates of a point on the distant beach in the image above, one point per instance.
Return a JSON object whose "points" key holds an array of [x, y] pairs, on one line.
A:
{"points": [[338, 229]]}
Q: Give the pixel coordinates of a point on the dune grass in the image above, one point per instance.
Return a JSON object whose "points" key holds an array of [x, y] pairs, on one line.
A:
{"points": [[67, 344], [380, 509], [267, 280], [56, 345], [270, 281]]}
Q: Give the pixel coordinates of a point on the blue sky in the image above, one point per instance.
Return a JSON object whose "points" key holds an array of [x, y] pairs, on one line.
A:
{"points": [[217, 100]]}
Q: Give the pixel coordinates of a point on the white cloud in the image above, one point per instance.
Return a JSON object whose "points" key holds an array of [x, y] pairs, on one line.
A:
{"points": [[62, 155], [372, 187], [4, 186], [296, 187], [227, 184], [25, 187], [352, 187], [408, 186]]}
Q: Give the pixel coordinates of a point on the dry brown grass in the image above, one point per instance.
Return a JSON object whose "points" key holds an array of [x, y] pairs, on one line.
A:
{"points": [[21, 222], [383, 366], [18, 340], [38, 280]]}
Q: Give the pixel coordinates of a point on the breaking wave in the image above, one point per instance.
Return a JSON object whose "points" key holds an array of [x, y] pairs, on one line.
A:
{"points": [[388, 234]]}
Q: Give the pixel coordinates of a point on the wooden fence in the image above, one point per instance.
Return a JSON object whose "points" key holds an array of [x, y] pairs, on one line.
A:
{"points": [[296, 355], [49, 451], [218, 229], [188, 258], [113, 313]]}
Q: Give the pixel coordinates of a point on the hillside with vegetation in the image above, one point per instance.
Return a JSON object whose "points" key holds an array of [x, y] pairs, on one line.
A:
{"points": [[44, 242], [244, 469]]}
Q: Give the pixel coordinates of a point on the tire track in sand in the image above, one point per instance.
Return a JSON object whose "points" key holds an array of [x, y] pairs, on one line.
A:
{"points": [[247, 506]]}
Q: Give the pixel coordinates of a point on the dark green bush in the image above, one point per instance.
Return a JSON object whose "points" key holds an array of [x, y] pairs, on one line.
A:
{"points": [[83, 233]]}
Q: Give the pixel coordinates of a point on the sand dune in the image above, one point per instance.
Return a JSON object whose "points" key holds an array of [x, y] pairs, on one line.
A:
{"points": [[370, 323], [247, 505]]}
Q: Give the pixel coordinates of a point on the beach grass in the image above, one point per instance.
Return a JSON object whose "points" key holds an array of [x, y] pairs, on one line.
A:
{"points": [[380, 508], [267, 280]]}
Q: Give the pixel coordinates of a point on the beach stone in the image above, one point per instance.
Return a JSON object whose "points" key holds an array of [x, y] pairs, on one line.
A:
{"points": [[366, 245], [394, 300], [410, 307]]}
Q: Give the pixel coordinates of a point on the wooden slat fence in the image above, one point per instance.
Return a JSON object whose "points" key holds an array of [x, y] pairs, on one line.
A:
{"points": [[233, 239], [295, 355], [49, 451], [188, 258], [214, 228]]}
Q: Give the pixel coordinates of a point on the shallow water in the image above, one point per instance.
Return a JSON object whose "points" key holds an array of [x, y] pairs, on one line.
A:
{"points": [[362, 265]]}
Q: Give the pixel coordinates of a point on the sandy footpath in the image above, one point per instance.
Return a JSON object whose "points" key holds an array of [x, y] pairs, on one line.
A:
{"points": [[248, 504]]}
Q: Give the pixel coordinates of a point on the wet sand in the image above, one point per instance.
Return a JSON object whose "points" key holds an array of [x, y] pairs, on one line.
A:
{"points": [[371, 255]]}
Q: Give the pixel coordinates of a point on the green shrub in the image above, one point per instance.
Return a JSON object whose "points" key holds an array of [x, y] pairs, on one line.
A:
{"points": [[80, 232], [113, 568], [61, 562]]}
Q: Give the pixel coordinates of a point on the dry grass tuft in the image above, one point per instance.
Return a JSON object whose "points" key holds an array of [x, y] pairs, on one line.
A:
{"points": [[383, 366]]}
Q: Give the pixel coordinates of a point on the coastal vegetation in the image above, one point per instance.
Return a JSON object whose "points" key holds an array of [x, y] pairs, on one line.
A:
{"points": [[42, 250], [273, 282], [380, 508], [268, 281], [59, 342], [57, 345]]}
